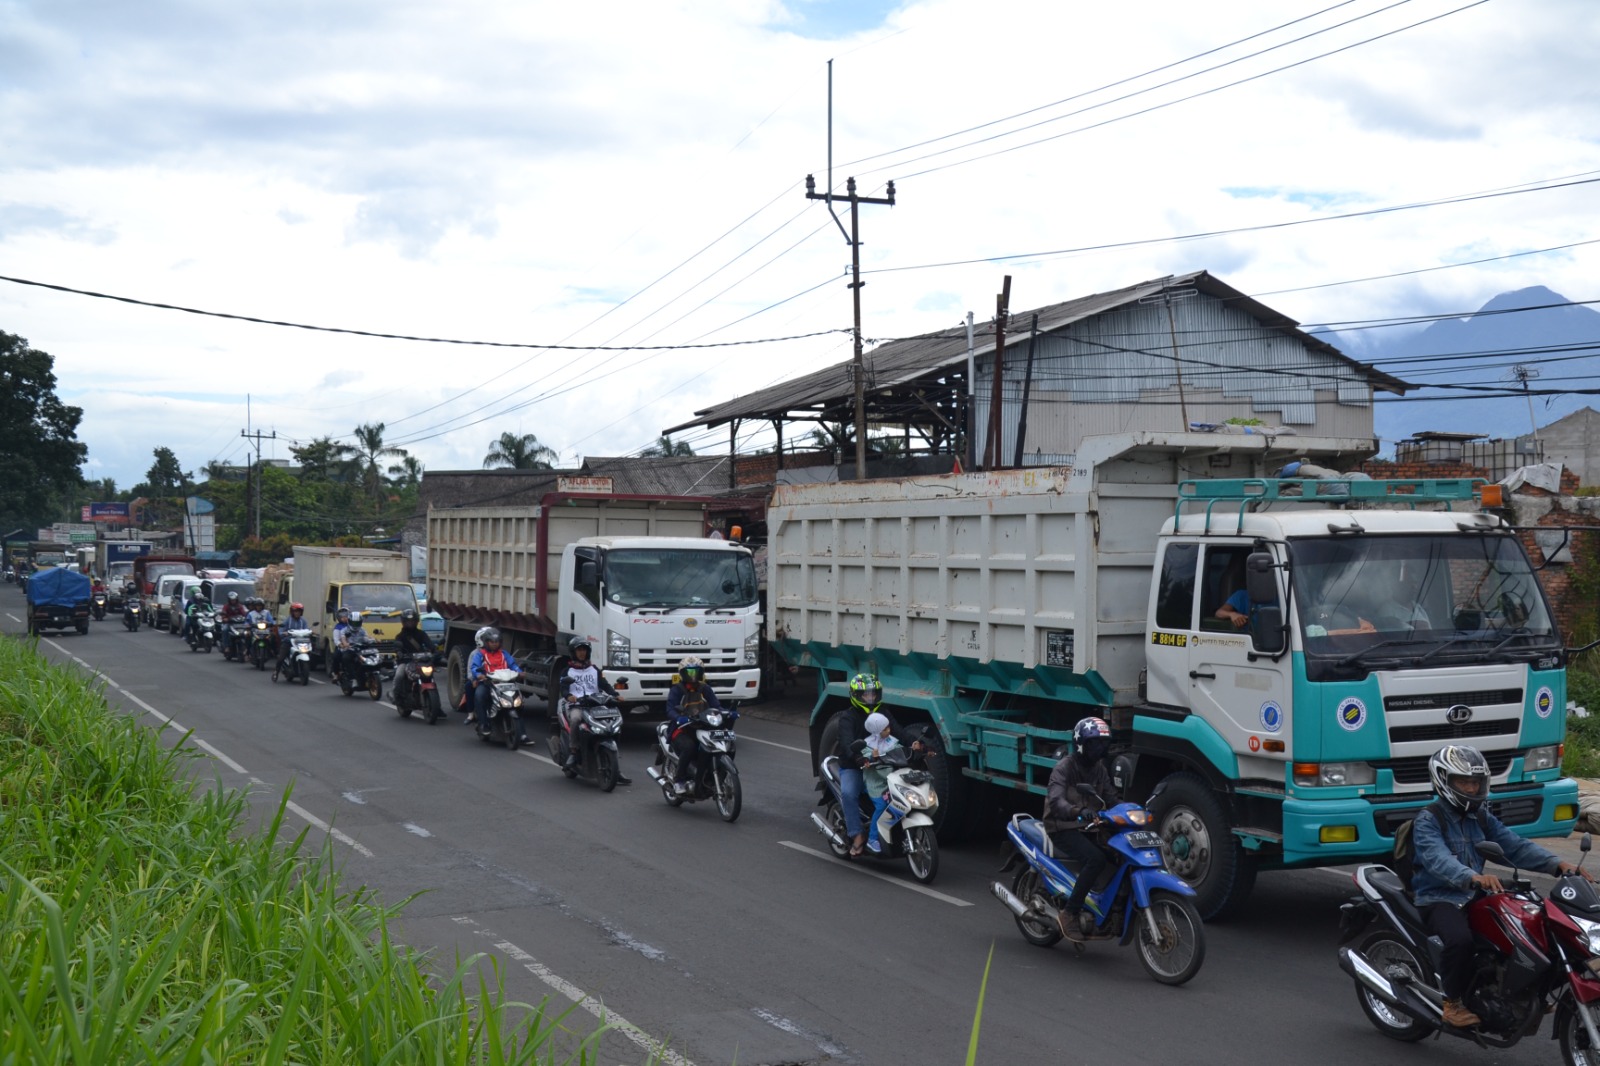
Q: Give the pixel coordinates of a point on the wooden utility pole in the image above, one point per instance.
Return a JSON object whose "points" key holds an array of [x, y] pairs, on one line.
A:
{"points": [[992, 445]]}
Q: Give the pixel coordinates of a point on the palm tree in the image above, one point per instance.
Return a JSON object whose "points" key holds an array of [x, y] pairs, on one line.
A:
{"points": [[519, 453], [667, 448], [408, 472], [369, 452]]}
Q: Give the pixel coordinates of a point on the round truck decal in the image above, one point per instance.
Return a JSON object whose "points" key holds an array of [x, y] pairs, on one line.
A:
{"points": [[1352, 714], [1271, 717], [1544, 701]]}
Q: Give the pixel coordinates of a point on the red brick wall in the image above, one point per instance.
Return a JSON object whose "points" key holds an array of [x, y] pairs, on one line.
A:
{"points": [[763, 469]]}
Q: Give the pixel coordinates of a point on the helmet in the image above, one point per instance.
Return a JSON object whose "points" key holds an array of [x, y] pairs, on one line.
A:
{"points": [[355, 619], [1092, 737], [877, 722], [578, 642], [300, 607], [489, 634], [408, 618], [691, 670], [1455, 761], [343, 614], [233, 597], [865, 691]]}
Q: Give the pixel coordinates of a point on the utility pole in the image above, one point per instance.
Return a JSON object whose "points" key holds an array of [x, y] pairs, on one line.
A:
{"points": [[994, 448], [1526, 374], [247, 435], [1166, 296], [857, 368]]}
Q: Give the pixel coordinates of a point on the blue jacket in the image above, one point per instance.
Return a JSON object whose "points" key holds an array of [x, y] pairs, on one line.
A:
{"points": [[476, 669], [1446, 855]]}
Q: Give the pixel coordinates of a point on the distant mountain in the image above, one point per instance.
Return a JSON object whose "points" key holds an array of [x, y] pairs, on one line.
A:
{"points": [[1560, 340]]}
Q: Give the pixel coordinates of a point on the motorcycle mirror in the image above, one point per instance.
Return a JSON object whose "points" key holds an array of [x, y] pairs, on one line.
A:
{"points": [[1490, 850]]}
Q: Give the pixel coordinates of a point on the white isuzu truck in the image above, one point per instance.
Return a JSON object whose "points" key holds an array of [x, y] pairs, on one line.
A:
{"points": [[1382, 619], [636, 577]]}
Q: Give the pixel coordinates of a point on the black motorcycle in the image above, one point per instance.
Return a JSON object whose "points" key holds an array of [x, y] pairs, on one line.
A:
{"points": [[362, 667], [594, 738], [97, 606], [263, 644], [231, 638], [415, 688], [203, 631], [132, 610], [714, 775]]}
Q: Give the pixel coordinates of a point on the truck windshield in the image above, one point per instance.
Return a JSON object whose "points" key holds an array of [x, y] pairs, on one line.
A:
{"points": [[680, 577], [154, 572], [1414, 600], [378, 598]]}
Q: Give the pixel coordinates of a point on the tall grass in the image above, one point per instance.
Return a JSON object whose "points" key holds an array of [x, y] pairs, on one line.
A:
{"points": [[140, 922]]}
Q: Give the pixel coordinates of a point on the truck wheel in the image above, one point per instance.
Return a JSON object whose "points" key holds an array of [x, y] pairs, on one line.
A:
{"points": [[455, 674], [1199, 846]]}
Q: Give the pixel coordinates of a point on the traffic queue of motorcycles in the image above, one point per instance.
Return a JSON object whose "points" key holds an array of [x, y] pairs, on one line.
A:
{"points": [[1535, 955]]}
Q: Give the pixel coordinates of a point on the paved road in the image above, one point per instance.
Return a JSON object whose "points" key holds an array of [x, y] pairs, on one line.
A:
{"points": [[740, 943]]}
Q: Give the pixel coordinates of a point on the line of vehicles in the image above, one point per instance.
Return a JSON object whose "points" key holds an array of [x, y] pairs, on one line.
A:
{"points": [[1381, 620]]}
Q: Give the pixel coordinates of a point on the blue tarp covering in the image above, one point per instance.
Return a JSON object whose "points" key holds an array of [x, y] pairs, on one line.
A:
{"points": [[58, 587]]}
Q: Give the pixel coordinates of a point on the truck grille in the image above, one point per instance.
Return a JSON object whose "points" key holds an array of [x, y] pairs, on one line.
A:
{"points": [[1432, 701], [1512, 810], [1414, 771], [1504, 727], [669, 658]]}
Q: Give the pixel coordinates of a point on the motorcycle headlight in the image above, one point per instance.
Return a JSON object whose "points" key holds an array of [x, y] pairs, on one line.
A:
{"points": [[516, 701], [619, 650], [427, 671], [714, 720], [752, 649], [1591, 930]]}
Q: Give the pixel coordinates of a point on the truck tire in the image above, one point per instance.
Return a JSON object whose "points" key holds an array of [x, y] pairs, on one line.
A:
{"points": [[455, 674], [1200, 847], [960, 809]]}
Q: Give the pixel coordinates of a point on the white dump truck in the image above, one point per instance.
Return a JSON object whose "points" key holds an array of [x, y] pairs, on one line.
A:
{"points": [[1372, 622], [636, 577]]}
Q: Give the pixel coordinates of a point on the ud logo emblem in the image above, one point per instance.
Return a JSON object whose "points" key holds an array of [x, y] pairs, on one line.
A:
{"points": [[1460, 714]]}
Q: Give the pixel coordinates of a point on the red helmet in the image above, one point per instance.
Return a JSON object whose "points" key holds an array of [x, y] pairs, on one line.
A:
{"points": [[297, 607]]}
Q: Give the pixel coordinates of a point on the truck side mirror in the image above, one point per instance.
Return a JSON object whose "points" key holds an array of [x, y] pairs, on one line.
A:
{"points": [[331, 607], [588, 572], [1259, 580], [1266, 629]]}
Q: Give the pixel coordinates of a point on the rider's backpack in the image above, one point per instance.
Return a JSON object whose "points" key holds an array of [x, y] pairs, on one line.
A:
{"points": [[1404, 861]]}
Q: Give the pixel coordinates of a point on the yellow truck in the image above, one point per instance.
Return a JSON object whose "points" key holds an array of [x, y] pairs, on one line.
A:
{"points": [[377, 583]]}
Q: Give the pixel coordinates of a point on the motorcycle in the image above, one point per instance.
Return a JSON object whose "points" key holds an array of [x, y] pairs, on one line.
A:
{"points": [[1136, 899], [905, 828], [594, 739], [231, 637], [97, 606], [131, 610], [715, 777], [203, 632], [364, 668], [1533, 954], [263, 643], [504, 712], [415, 688], [297, 665]]}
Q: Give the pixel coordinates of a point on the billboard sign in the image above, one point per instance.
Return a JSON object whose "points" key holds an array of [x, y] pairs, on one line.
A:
{"points": [[101, 511], [584, 484]]}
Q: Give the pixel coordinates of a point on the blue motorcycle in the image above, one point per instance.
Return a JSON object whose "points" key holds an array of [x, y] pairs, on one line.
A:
{"points": [[1137, 899]]}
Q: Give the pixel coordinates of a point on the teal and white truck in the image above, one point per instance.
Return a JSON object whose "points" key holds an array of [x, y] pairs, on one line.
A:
{"points": [[1384, 619]]}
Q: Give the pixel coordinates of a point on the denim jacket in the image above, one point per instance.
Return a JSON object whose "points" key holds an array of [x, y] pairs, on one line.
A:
{"points": [[1445, 844]]}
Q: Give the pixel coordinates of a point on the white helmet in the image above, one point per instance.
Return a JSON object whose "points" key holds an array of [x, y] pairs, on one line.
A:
{"points": [[1459, 760]]}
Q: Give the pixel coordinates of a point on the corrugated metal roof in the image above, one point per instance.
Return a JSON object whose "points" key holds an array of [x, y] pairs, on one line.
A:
{"points": [[898, 362]]}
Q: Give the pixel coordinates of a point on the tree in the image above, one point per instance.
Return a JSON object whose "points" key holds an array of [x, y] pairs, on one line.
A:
{"points": [[407, 472], [166, 476], [323, 459], [39, 449], [667, 448], [367, 455], [519, 453]]}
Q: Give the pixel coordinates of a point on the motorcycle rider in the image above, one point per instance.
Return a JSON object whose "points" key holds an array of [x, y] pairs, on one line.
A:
{"points": [[480, 665], [295, 622], [583, 678], [197, 603], [690, 696], [233, 613], [879, 742], [1068, 813], [340, 641], [865, 694], [411, 641], [1448, 868]]}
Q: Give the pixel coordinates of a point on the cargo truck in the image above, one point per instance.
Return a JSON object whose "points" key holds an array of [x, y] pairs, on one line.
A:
{"points": [[635, 576], [114, 563], [375, 582], [1384, 619], [150, 568]]}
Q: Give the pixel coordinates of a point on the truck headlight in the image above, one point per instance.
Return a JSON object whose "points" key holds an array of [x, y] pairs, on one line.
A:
{"points": [[1544, 758], [752, 650], [1333, 774], [620, 650]]}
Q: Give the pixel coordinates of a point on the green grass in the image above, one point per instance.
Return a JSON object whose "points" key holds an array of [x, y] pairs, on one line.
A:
{"points": [[1582, 757], [141, 923]]}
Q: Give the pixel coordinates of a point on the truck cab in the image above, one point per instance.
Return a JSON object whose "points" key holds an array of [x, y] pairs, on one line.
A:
{"points": [[381, 604]]}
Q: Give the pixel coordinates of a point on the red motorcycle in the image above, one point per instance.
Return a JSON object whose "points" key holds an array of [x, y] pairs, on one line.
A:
{"points": [[1534, 954]]}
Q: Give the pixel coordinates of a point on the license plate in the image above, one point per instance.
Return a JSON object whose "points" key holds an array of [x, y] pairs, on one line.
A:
{"points": [[1143, 839]]}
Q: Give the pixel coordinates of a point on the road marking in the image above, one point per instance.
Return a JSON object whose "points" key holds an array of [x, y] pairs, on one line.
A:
{"points": [[538, 758], [773, 743], [316, 681], [14, 618], [861, 869], [657, 1051], [821, 1043], [341, 837], [415, 829]]}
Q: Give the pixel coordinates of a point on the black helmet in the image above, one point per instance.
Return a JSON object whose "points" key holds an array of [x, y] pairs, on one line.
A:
{"points": [[866, 691], [408, 618], [490, 634], [1458, 761], [1092, 736], [578, 642]]}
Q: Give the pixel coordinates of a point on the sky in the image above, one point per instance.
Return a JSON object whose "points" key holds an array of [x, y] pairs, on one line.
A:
{"points": [[632, 174]]}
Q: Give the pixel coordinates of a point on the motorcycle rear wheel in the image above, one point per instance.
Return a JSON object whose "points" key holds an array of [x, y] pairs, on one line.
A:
{"points": [[726, 790], [605, 769], [1037, 931], [922, 853], [1387, 952], [431, 711], [1175, 954]]}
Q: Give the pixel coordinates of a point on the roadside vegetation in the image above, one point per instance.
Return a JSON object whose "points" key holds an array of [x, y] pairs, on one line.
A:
{"points": [[141, 923]]}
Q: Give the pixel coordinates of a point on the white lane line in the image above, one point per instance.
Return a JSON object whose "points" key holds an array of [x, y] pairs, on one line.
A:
{"points": [[657, 1051], [537, 758], [316, 681], [14, 618], [341, 837], [773, 744], [861, 869]]}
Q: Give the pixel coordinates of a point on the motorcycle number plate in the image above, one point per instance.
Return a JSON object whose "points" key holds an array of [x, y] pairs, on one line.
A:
{"points": [[1144, 839]]}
